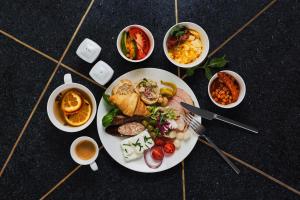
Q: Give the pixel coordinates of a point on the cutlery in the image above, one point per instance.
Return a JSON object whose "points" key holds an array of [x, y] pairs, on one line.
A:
{"points": [[210, 115], [199, 129]]}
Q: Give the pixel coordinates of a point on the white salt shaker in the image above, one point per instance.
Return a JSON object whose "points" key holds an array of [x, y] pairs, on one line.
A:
{"points": [[101, 72], [88, 50]]}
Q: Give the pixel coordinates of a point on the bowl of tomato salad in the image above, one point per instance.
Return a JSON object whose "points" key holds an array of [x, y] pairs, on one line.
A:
{"points": [[135, 43]]}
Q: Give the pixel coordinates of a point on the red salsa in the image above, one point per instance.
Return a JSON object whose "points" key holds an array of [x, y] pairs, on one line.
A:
{"points": [[224, 89]]}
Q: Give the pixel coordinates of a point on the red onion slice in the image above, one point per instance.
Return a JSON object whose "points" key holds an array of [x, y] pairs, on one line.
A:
{"points": [[150, 162]]}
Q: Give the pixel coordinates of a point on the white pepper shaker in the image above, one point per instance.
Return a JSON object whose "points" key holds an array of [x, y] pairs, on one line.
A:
{"points": [[101, 72], [88, 50]]}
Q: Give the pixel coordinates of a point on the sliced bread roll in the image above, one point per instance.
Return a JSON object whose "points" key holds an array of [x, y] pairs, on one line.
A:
{"points": [[123, 87]]}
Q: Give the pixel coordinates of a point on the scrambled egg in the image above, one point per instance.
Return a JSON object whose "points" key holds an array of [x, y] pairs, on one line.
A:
{"points": [[188, 51]]}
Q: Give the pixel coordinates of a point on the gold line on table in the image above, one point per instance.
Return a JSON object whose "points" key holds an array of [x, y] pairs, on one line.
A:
{"points": [[64, 179], [238, 31], [28, 120], [76, 31], [28, 46], [262, 173], [176, 10], [183, 181], [242, 28], [61, 182], [50, 58], [176, 21], [178, 74], [44, 90]]}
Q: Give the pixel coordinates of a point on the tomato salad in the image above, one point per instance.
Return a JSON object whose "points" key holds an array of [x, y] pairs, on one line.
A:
{"points": [[135, 43]]}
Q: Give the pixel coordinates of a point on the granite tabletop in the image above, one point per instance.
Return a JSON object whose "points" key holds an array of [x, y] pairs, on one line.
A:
{"points": [[261, 40]]}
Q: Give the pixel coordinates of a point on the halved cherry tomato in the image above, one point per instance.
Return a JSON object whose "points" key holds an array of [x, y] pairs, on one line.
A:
{"points": [[159, 141], [169, 148], [142, 41], [157, 153], [140, 54], [168, 140]]}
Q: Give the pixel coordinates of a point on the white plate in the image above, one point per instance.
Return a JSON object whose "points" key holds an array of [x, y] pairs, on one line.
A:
{"points": [[112, 143]]}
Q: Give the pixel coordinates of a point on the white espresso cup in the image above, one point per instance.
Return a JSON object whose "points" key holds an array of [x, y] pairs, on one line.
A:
{"points": [[80, 160], [68, 84]]}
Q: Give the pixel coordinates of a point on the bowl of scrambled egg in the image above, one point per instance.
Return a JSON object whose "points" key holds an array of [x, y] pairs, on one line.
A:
{"points": [[186, 44]]}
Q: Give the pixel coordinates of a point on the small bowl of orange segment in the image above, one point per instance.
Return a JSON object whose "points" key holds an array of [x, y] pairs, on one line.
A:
{"points": [[71, 107]]}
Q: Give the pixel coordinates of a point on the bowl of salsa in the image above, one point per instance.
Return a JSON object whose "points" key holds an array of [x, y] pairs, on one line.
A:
{"points": [[226, 89]]}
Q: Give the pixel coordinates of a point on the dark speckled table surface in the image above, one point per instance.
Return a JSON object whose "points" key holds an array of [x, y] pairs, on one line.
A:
{"points": [[261, 39]]}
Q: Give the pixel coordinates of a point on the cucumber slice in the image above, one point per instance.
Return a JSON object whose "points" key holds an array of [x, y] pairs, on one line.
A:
{"points": [[123, 43]]}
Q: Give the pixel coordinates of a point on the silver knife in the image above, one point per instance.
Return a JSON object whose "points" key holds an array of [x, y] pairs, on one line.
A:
{"points": [[210, 115]]}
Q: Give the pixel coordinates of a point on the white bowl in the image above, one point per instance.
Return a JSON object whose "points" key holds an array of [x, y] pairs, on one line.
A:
{"points": [[51, 101], [148, 33], [204, 40], [242, 86]]}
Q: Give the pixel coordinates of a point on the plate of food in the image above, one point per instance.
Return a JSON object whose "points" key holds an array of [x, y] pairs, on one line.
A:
{"points": [[141, 123]]}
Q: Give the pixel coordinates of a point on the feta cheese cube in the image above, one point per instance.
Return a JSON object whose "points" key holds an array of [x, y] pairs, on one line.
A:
{"points": [[134, 147]]}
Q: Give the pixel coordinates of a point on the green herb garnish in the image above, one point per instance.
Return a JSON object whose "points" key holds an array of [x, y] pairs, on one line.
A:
{"points": [[109, 117], [106, 99], [146, 139], [217, 62], [177, 31], [143, 83], [157, 132], [210, 64], [137, 143], [208, 73]]}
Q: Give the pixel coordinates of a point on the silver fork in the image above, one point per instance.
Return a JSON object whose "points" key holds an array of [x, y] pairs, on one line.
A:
{"points": [[199, 129]]}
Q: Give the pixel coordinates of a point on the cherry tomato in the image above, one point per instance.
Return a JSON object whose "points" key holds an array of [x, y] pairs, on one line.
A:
{"points": [[159, 141], [169, 148], [168, 140], [157, 153], [140, 54]]}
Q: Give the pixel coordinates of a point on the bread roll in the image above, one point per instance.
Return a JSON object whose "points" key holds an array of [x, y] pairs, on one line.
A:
{"points": [[126, 103], [124, 87]]}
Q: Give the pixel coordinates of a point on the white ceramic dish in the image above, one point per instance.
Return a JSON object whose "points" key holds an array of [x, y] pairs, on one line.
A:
{"points": [[148, 33], [68, 84], [112, 143], [204, 40], [241, 83]]}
